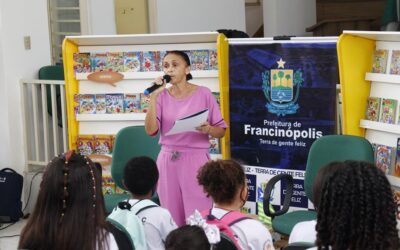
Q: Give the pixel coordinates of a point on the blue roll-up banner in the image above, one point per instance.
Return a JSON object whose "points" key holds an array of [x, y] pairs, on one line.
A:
{"points": [[282, 97]]}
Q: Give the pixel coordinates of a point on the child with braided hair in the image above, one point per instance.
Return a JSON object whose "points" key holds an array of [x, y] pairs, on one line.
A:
{"points": [[357, 210], [225, 182], [69, 212]]}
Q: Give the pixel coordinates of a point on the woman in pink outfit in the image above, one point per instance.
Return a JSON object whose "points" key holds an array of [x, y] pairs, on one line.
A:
{"points": [[182, 154]]}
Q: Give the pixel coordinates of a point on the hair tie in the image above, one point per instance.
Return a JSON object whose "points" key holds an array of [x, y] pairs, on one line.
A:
{"points": [[211, 231]]}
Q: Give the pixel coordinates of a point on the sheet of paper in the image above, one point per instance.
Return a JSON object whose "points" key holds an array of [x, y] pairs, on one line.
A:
{"points": [[189, 123]]}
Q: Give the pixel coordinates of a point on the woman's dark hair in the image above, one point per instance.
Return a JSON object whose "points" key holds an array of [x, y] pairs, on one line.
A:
{"points": [[69, 212], [357, 210], [140, 175], [185, 57], [221, 179], [322, 176], [187, 238]]}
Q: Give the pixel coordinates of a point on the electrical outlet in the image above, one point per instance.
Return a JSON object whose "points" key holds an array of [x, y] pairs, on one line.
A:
{"points": [[27, 42]]}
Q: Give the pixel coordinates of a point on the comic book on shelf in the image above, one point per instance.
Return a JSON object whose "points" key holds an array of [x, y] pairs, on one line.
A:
{"points": [[150, 61], [77, 99], [115, 61], [100, 103], [388, 111], [396, 197], [108, 184], [199, 59], [144, 103], [132, 103], [103, 144], [99, 62], [213, 60], [384, 158], [396, 170], [217, 97], [379, 61], [214, 146], [395, 63], [132, 61], [85, 144], [82, 63], [114, 103], [87, 104], [160, 62], [373, 108]]}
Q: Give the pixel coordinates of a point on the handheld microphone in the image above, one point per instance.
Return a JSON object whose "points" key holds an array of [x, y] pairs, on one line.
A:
{"points": [[148, 91]]}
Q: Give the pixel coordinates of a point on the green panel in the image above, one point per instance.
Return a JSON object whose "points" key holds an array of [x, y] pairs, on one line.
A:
{"points": [[284, 224]]}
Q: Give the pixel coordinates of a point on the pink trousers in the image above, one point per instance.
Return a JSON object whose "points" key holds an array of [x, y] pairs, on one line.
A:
{"points": [[178, 188]]}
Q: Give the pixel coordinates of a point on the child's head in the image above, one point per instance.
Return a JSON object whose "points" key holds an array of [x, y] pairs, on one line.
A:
{"points": [[322, 176], [187, 238], [70, 202], [140, 175], [357, 210], [224, 181]]}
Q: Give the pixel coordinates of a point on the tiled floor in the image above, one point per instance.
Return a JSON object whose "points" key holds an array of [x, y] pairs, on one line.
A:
{"points": [[9, 236]]}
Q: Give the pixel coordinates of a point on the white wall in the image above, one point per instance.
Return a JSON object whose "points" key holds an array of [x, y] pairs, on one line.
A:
{"points": [[19, 18], [288, 17], [199, 15], [101, 17]]}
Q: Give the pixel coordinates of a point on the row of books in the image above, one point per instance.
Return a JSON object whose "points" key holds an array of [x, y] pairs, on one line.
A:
{"points": [[382, 110], [95, 144], [388, 158], [139, 61], [114, 103], [380, 61], [111, 103]]}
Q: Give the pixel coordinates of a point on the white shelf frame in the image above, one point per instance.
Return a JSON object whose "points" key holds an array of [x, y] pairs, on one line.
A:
{"points": [[111, 117], [380, 126]]}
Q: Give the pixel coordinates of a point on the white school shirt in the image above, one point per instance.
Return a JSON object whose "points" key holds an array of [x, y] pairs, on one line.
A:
{"points": [[112, 244], [304, 232], [252, 234], [158, 223]]}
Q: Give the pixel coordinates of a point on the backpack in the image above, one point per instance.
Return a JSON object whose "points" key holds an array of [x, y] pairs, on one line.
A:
{"points": [[125, 218], [10, 199], [224, 224]]}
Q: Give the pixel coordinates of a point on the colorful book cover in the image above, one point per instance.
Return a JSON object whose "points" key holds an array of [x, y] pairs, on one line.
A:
{"points": [[396, 170], [99, 62], [82, 63], [102, 144], [383, 158], [132, 103], [160, 62], [87, 104], [379, 61], [114, 103], [388, 111], [395, 62], [199, 59], [132, 61], [373, 108], [119, 190], [144, 103], [100, 103], [115, 61], [85, 144], [213, 60], [150, 61], [108, 184], [214, 146]]}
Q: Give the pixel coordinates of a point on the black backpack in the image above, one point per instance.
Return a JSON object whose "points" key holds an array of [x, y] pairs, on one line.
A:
{"points": [[10, 196]]}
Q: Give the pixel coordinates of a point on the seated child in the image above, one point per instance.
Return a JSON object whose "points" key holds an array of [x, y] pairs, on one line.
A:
{"points": [[305, 231], [187, 238], [225, 182], [140, 178], [69, 212], [357, 210]]}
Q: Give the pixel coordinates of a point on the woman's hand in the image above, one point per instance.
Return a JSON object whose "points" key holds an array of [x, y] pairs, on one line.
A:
{"points": [[159, 81], [204, 128]]}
